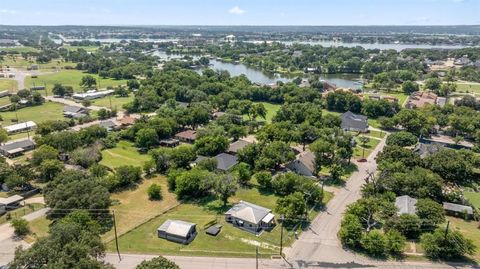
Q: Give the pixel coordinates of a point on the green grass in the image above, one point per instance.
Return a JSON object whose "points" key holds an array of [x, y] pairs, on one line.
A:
{"points": [[377, 134], [44, 112], [123, 154], [39, 228], [20, 212], [474, 198], [468, 87], [23, 63], [271, 111], [4, 101], [117, 102], [369, 147], [8, 84], [19, 49], [87, 48], [230, 241], [470, 229], [69, 78]]}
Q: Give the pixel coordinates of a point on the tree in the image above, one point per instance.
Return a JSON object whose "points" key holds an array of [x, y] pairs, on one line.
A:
{"points": [[60, 90], [409, 87], [408, 225], [351, 231], [454, 166], [87, 156], [225, 187], [44, 152], [146, 138], [374, 243], [292, 206], [274, 154], [446, 245], [73, 242], [395, 242], [243, 173], [364, 141], [402, 139], [88, 82], [20, 227], [126, 175], [86, 103], [264, 179], [3, 136], [433, 84], [154, 192], [430, 211], [158, 263], [49, 169], [193, 183], [211, 145]]}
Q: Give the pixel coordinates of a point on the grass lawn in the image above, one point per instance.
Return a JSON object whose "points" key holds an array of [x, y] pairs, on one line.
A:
{"points": [[39, 228], [20, 62], [47, 111], [4, 101], [132, 207], [8, 84], [87, 48], [271, 111], [397, 94], [358, 150], [377, 134], [123, 154], [117, 102], [230, 241], [474, 198], [19, 49], [70, 78], [20, 212], [469, 229], [468, 87]]}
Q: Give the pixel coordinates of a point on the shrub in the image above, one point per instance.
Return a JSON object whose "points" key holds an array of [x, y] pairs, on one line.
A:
{"points": [[158, 263], [374, 243], [154, 192], [20, 227], [437, 245], [264, 179]]}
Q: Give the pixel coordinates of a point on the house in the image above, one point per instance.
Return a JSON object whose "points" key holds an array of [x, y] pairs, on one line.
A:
{"points": [[16, 148], [225, 161], [74, 111], [304, 83], [171, 143], [421, 99], [20, 127], [92, 95], [177, 231], [425, 150], [108, 124], [10, 203], [353, 122], [234, 147], [304, 164], [250, 217], [462, 61], [406, 205], [458, 210], [183, 104], [188, 136]]}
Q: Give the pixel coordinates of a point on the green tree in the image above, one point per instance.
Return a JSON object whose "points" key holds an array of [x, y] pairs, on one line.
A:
{"points": [[451, 245], [154, 192], [20, 227], [351, 231], [292, 206], [44, 152], [264, 179], [158, 263], [225, 187], [88, 82], [243, 173], [146, 138], [374, 243], [395, 242], [430, 211], [409, 86], [3, 136], [211, 145], [402, 139], [48, 169]]}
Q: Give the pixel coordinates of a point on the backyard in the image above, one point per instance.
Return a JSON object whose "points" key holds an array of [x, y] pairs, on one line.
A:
{"points": [[70, 78], [271, 111], [124, 153], [117, 102], [44, 112], [8, 84], [474, 198]]}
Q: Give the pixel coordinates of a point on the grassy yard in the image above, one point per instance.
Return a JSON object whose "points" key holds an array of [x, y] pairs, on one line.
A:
{"points": [[397, 94], [19, 49], [69, 78], [230, 241], [87, 48], [39, 228], [20, 212], [358, 150], [469, 229], [4, 101], [18, 61], [132, 207], [474, 198], [123, 154], [271, 111], [377, 134], [8, 84], [47, 111], [468, 87], [117, 102]]}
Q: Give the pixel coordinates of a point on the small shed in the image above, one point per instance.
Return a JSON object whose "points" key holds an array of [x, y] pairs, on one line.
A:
{"points": [[406, 205], [457, 209], [10, 203], [171, 142], [177, 231]]}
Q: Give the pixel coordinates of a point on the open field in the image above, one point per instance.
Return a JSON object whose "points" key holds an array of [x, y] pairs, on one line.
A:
{"points": [[134, 208], [23, 63], [230, 241], [117, 102], [19, 49], [8, 84], [271, 111], [123, 154], [47, 111], [474, 198], [87, 48], [20, 212], [469, 229], [4, 101], [468, 87], [69, 78]]}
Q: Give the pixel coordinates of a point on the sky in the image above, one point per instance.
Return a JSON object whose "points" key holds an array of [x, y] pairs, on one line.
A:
{"points": [[239, 12]]}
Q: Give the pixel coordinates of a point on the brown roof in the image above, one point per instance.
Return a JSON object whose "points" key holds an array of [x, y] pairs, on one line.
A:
{"points": [[238, 145], [188, 134], [127, 120], [420, 99], [308, 159]]}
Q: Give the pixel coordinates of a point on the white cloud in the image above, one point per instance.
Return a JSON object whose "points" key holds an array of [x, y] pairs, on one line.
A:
{"points": [[236, 10], [7, 11]]}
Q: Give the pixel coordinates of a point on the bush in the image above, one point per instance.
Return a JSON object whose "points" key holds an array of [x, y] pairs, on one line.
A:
{"points": [[374, 243], [154, 192], [20, 227], [351, 231], [395, 242], [158, 263], [453, 245], [264, 179]]}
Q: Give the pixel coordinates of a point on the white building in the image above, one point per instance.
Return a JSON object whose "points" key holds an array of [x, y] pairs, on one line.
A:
{"points": [[92, 95], [20, 127]]}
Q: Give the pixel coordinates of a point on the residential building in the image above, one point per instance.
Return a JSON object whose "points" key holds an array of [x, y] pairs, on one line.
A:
{"points": [[421, 99], [225, 161], [304, 164], [234, 147], [188, 136], [171, 142], [424, 150], [127, 121], [353, 122], [92, 95], [16, 148], [406, 205], [110, 125], [10, 203], [458, 210], [20, 127], [250, 217], [177, 231], [74, 111]]}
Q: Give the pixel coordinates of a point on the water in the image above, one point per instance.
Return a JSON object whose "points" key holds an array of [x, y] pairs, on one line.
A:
{"points": [[395, 46]]}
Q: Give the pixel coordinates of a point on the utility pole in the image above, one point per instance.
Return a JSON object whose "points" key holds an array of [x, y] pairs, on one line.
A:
{"points": [[116, 237], [446, 230], [256, 257], [282, 219], [110, 98]]}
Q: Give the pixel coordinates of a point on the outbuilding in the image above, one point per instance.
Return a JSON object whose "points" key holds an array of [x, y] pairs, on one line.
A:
{"points": [[10, 203], [177, 231], [16, 148], [20, 127]]}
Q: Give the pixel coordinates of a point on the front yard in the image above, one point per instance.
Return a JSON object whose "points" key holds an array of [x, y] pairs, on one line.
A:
{"points": [[125, 153], [41, 113]]}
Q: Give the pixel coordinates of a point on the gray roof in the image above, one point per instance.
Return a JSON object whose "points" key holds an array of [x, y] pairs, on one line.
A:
{"points": [[248, 212], [226, 161], [425, 150], [73, 109], [354, 121], [107, 124], [406, 205], [457, 208], [176, 227], [17, 145], [11, 200], [238, 145]]}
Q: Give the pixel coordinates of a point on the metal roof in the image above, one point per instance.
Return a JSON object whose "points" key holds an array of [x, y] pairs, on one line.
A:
{"points": [[20, 126], [406, 205], [457, 208], [11, 200], [17, 145], [248, 212], [177, 227]]}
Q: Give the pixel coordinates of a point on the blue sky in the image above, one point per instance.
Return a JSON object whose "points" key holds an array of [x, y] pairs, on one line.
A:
{"points": [[240, 12]]}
